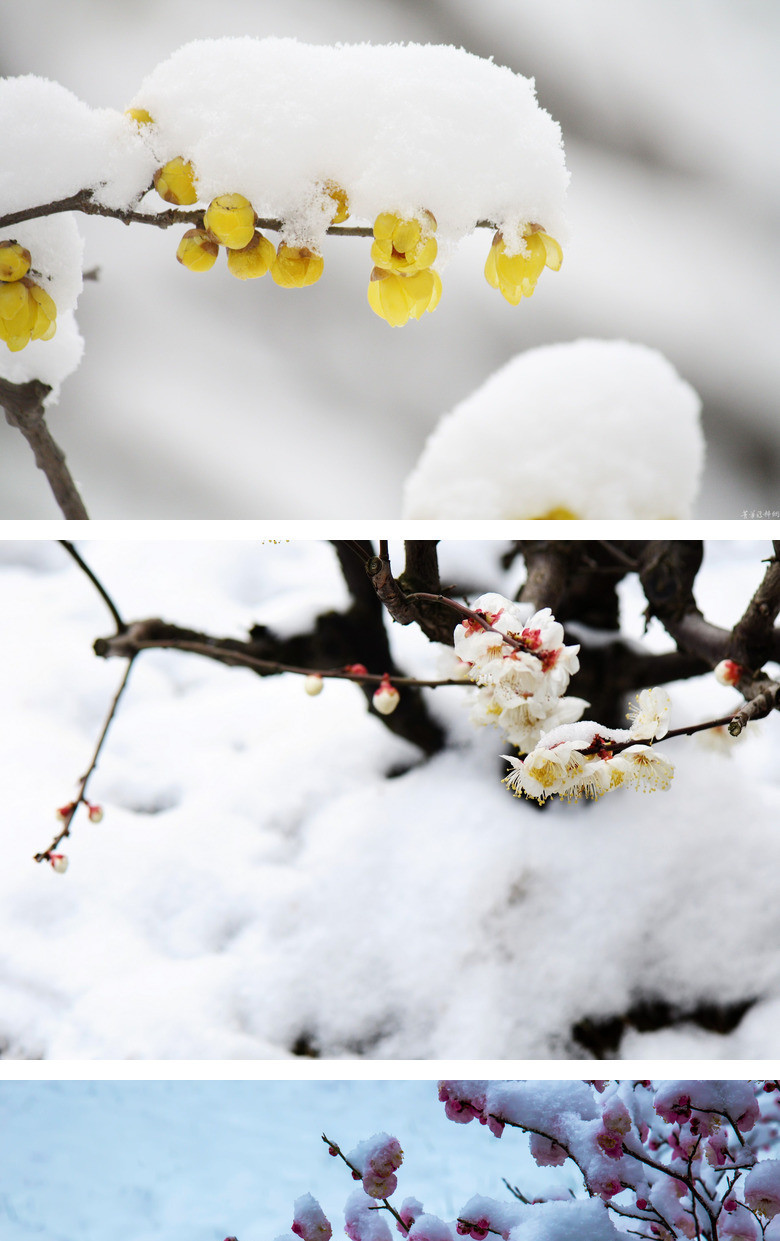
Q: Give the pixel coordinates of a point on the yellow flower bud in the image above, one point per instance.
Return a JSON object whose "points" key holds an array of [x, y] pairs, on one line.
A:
{"points": [[197, 250], [296, 266], [14, 260], [515, 275], [140, 116], [404, 245], [175, 182], [398, 298], [339, 197], [231, 221], [254, 260]]}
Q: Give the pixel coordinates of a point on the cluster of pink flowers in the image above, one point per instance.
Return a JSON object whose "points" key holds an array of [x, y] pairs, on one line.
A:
{"points": [[666, 1162]]}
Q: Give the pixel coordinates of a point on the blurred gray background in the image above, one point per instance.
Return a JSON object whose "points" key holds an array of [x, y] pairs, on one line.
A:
{"points": [[203, 397]]}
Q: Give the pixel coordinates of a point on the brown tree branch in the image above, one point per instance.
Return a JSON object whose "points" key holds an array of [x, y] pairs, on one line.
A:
{"points": [[754, 637], [84, 202], [23, 405]]}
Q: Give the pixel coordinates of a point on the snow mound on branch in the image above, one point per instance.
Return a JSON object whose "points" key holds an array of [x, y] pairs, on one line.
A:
{"points": [[55, 145], [400, 127], [598, 428], [57, 254]]}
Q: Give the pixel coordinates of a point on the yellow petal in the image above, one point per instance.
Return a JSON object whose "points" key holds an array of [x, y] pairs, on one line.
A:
{"points": [[43, 299], [384, 225], [553, 252], [12, 298]]}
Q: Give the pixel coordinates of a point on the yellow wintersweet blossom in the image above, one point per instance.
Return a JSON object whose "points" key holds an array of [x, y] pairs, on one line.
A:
{"points": [[515, 275], [404, 245], [175, 182], [14, 260], [339, 196], [27, 312], [230, 219], [295, 267], [253, 260], [197, 250], [140, 116], [398, 298]]}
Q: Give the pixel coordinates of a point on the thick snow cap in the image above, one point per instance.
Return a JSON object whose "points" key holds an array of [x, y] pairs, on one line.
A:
{"points": [[590, 429]]}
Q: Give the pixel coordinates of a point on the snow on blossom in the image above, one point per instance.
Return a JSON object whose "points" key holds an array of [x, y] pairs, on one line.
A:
{"points": [[57, 253], [310, 1222], [739, 1225], [431, 1228], [675, 1101], [762, 1188], [566, 1221], [400, 128], [362, 1222], [377, 1159], [645, 461]]}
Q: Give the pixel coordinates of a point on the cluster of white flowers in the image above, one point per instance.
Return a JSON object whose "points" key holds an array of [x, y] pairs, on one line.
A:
{"points": [[587, 759], [520, 662], [522, 667]]}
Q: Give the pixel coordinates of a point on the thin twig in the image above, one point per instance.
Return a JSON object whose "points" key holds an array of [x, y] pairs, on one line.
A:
{"points": [[44, 855], [24, 409], [99, 587]]}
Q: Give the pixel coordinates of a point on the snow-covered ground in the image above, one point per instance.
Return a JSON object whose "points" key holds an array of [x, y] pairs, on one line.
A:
{"points": [[307, 405], [198, 1161], [261, 883]]}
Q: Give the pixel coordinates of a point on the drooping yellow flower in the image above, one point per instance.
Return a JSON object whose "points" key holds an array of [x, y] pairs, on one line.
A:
{"points": [[397, 298], [197, 250], [175, 182], [253, 260], [515, 275], [404, 245], [14, 260], [339, 196], [230, 219], [294, 267], [27, 312], [45, 324], [140, 116]]}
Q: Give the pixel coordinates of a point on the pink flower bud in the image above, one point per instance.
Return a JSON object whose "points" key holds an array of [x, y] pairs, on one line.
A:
{"points": [[94, 813], [386, 697], [357, 670], [58, 862], [313, 684], [727, 672], [65, 812]]}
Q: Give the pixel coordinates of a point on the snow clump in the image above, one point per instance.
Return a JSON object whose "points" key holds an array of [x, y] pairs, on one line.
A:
{"points": [[587, 429]]}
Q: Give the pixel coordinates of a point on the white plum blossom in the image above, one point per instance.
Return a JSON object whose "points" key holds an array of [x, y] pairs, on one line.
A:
{"points": [[519, 659], [648, 715]]}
